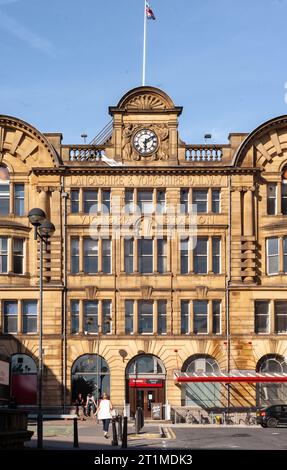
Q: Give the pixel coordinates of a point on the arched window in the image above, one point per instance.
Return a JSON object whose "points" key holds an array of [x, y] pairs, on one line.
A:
{"points": [[24, 379], [271, 393], [145, 364], [90, 374], [4, 190], [205, 394], [284, 192]]}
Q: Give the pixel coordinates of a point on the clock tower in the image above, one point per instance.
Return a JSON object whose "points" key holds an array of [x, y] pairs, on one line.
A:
{"points": [[145, 130]]}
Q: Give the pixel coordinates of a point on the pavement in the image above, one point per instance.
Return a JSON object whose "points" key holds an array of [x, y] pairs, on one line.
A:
{"points": [[162, 435]]}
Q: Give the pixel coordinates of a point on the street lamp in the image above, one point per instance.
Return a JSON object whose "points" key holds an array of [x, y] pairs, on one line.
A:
{"points": [[43, 230]]}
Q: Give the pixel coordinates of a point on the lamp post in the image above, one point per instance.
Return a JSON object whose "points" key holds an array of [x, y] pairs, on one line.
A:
{"points": [[43, 230]]}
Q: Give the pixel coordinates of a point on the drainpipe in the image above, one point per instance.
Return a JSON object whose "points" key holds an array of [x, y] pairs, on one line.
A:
{"points": [[64, 294], [227, 290]]}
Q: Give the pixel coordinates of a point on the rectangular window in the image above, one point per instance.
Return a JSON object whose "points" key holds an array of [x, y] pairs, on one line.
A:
{"points": [[129, 255], [75, 201], [284, 197], [107, 317], [129, 201], [161, 317], [199, 199], [145, 202], [129, 317], [19, 199], [75, 313], [184, 254], [3, 255], [216, 317], [145, 247], [91, 316], [162, 255], [18, 255], [216, 255], [29, 310], [280, 317], [160, 201], [90, 256], [145, 317], [285, 254], [184, 314], [4, 197], [10, 316], [261, 317], [200, 317], [106, 201], [107, 256], [90, 197], [184, 201], [200, 256], [75, 255], [215, 194], [272, 256], [271, 198]]}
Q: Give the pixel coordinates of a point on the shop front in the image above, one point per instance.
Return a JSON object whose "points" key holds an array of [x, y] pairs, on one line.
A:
{"points": [[145, 385]]}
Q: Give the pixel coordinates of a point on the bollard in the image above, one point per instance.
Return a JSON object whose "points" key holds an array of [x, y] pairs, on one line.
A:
{"points": [[115, 437], [125, 433], [120, 428], [40, 430], [76, 437]]}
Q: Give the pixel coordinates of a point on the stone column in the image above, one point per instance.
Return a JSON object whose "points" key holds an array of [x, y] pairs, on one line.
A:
{"points": [[248, 213]]}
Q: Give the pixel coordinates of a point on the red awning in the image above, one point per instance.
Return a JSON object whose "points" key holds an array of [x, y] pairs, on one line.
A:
{"points": [[224, 377]]}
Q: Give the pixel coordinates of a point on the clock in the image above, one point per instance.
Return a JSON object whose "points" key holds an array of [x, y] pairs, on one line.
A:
{"points": [[145, 141]]}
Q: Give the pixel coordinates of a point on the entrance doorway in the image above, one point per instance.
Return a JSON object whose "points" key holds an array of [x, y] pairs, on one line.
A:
{"points": [[145, 385]]}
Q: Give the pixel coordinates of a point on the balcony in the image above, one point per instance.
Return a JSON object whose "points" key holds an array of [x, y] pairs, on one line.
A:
{"points": [[83, 153], [204, 153]]}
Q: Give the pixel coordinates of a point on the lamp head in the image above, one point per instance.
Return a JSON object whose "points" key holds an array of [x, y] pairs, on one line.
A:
{"points": [[36, 216], [46, 229]]}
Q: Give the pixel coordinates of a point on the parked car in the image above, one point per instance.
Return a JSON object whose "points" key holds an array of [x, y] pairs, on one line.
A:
{"points": [[272, 416]]}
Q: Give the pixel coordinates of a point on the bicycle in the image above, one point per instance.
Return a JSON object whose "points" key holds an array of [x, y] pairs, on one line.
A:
{"points": [[249, 419]]}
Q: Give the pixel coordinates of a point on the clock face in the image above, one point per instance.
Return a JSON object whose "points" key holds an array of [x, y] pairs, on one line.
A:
{"points": [[145, 141]]}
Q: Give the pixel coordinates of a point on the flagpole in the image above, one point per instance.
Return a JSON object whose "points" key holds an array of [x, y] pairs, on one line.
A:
{"points": [[144, 45]]}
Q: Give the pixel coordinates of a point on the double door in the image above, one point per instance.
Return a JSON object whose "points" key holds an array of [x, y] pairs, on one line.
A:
{"points": [[144, 398]]}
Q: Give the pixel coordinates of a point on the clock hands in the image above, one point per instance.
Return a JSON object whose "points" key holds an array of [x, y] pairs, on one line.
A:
{"points": [[146, 141]]}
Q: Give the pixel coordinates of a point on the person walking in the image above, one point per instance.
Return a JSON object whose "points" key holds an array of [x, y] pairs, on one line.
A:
{"points": [[104, 413]]}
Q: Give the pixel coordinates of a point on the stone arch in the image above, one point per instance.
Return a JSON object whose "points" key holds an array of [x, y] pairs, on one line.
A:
{"points": [[145, 97], [19, 140], [264, 144], [271, 393], [90, 373]]}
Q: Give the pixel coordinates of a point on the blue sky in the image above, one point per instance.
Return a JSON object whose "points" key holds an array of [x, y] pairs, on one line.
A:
{"points": [[63, 62]]}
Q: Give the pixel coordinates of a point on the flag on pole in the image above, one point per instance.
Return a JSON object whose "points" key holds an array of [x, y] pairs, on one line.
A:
{"points": [[149, 13]]}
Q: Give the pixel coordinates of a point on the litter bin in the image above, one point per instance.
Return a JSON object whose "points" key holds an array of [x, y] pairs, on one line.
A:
{"points": [[218, 419]]}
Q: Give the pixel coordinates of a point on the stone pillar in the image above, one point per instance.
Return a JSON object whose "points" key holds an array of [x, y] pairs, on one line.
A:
{"points": [[43, 201], [248, 213]]}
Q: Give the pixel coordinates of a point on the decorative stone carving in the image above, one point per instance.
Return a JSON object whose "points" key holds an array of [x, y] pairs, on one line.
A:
{"points": [[146, 101], [129, 152], [201, 292], [91, 292], [147, 292]]}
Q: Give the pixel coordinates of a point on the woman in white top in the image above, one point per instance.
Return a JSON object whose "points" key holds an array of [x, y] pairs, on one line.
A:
{"points": [[104, 413]]}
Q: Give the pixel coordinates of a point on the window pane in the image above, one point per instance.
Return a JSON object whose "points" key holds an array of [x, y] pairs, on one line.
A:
{"points": [[199, 198], [200, 264], [216, 201], [272, 256], [145, 201], [271, 198], [284, 197], [90, 201], [75, 201], [91, 316], [184, 201], [162, 255], [184, 317], [285, 254], [216, 255], [74, 255], [145, 317], [281, 317], [145, 256], [10, 316], [184, 253], [107, 317], [18, 245], [75, 310], [106, 256], [29, 310], [106, 201], [129, 198], [19, 199], [3, 254], [200, 309], [129, 256], [216, 311], [161, 201], [129, 317], [4, 191], [161, 327], [90, 256]]}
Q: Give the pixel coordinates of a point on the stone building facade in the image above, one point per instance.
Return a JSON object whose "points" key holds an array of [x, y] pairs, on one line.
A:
{"points": [[168, 259]]}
